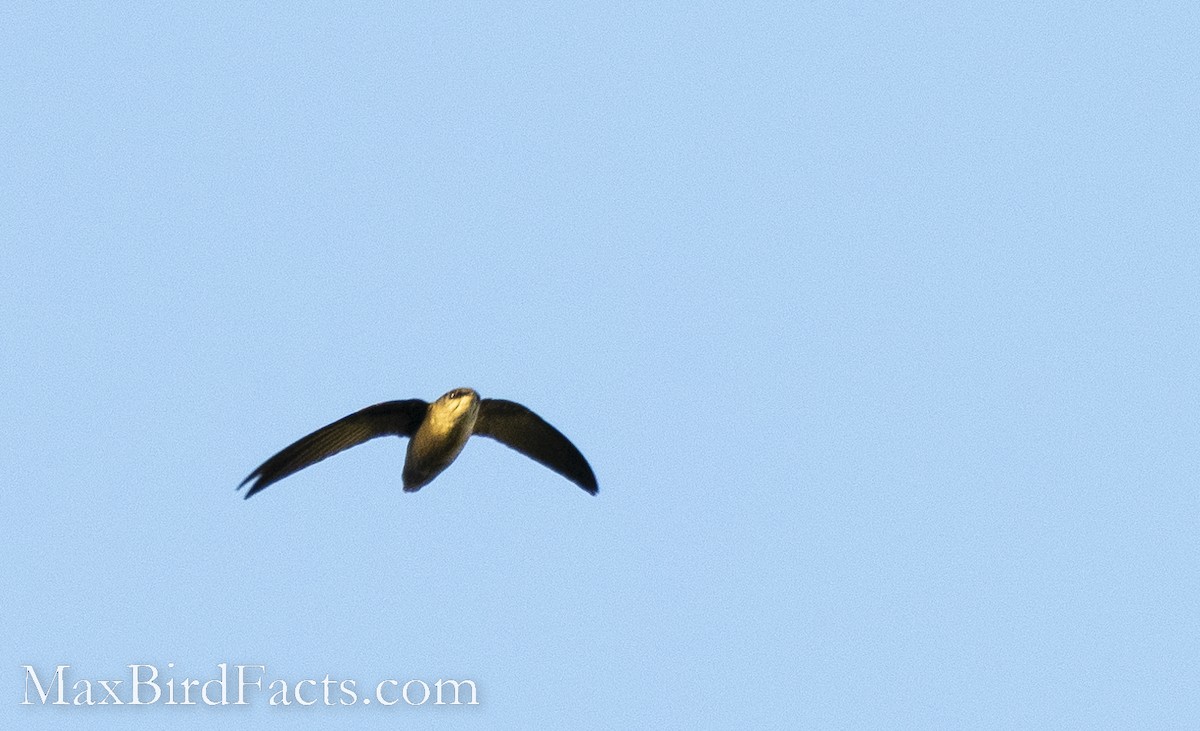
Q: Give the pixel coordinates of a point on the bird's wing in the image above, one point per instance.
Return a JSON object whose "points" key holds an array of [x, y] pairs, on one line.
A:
{"points": [[515, 426], [400, 418]]}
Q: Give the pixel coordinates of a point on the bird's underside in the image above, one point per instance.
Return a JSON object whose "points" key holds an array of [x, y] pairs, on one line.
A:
{"points": [[438, 431]]}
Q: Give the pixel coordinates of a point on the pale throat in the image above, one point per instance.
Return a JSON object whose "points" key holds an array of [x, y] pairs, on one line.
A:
{"points": [[445, 417]]}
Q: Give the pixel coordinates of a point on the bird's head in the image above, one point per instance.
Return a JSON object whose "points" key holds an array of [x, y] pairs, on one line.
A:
{"points": [[454, 410], [459, 398]]}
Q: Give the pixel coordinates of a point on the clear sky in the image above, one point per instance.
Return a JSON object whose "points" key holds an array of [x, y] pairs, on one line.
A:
{"points": [[877, 323]]}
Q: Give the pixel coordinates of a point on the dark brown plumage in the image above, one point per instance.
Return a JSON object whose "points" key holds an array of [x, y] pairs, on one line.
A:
{"points": [[437, 432]]}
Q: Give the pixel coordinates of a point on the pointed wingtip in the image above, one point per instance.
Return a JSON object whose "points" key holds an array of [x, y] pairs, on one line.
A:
{"points": [[253, 488]]}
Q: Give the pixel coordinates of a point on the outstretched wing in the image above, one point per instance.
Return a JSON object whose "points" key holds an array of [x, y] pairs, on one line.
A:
{"points": [[517, 427], [400, 418]]}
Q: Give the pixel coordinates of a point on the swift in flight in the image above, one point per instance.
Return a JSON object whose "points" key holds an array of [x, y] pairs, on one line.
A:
{"points": [[438, 431]]}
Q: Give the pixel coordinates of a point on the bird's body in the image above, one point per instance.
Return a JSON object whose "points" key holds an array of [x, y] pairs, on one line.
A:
{"points": [[438, 432], [448, 424]]}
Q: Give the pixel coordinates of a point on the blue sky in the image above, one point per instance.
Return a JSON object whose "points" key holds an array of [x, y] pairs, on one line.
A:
{"points": [[877, 324]]}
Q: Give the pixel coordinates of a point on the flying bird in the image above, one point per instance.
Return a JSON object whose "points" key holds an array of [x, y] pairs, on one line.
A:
{"points": [[438, 431]]}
